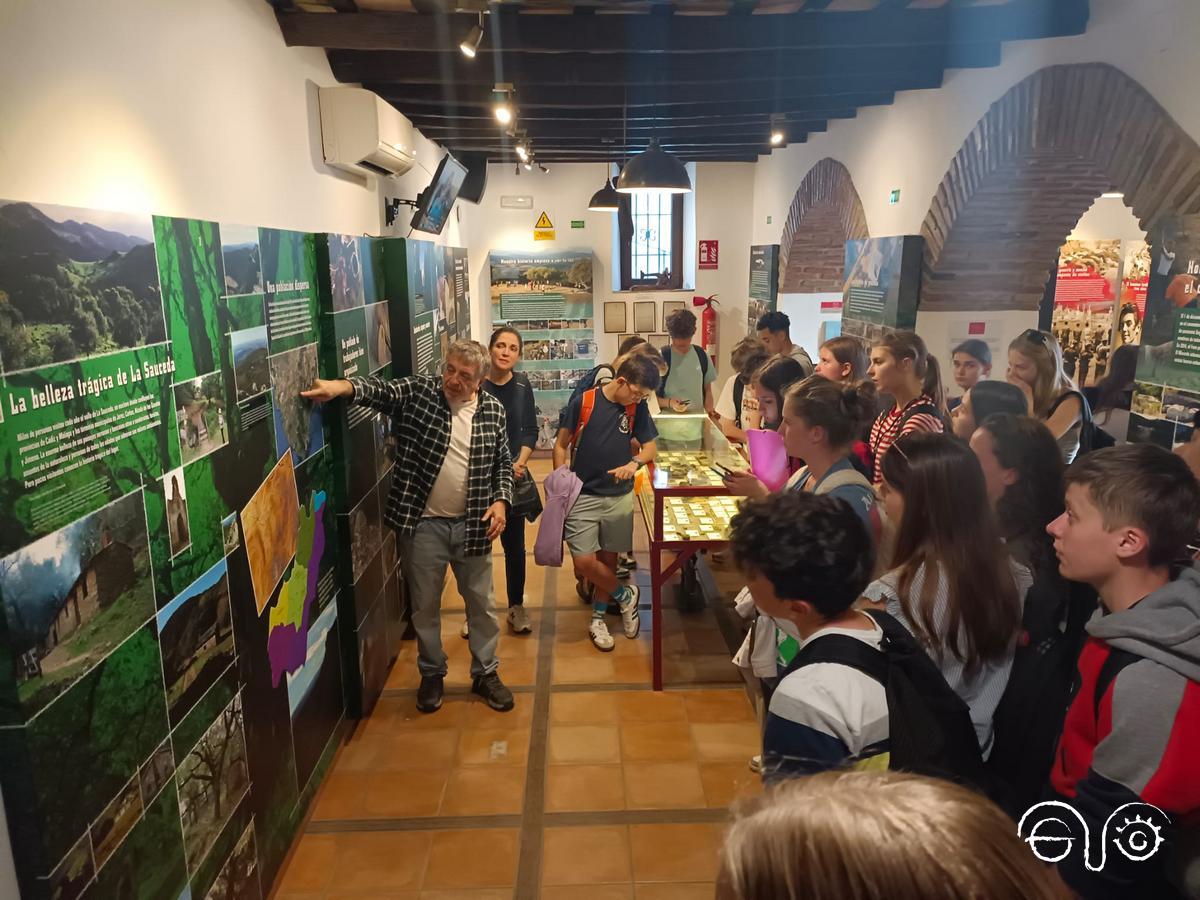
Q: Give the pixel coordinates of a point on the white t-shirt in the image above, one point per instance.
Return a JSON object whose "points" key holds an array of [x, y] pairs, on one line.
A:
{"points": [[725, 408], [448, 498]]}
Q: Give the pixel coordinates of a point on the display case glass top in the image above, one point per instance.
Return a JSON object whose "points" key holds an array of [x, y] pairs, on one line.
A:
{"points": [[691, 448]]}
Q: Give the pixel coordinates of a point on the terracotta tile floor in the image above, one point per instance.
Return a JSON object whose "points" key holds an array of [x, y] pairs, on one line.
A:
{"points": [[610, 791]]}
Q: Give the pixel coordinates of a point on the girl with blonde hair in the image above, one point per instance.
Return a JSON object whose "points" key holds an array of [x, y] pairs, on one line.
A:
{"points": [[1035, 365], [862, 835]]}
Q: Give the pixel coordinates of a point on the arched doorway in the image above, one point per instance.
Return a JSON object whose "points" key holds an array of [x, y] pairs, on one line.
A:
{"points": [[825, 213], [1032, 166]]}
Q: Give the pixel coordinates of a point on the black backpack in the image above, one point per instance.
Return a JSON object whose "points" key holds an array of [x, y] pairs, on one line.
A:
{"points": [[929, 726], [666, 355], [1091, 436], [1029, 717], [590, 379]]}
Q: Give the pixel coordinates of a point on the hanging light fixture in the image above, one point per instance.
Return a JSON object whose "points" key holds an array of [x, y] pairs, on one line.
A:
{"points": [[470, 44], [606, 199], [654, 170]]}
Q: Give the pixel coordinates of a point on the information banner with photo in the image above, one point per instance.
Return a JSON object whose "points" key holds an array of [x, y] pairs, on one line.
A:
{"points": [[1085, 294], [1167, 394], [763, 289], [356, 327], [882, 284], [436, 301], [1135, 281], [548, 298], [167, 703]]}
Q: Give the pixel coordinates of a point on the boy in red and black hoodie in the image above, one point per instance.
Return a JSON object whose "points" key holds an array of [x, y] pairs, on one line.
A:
{"points": [[1132, 733]]}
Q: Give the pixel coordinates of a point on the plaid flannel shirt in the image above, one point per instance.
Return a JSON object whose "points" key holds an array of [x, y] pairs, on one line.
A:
{"points": [[421, 423]]}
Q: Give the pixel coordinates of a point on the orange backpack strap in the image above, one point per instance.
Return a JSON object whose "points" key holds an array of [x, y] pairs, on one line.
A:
{"points": [[585, 413]]}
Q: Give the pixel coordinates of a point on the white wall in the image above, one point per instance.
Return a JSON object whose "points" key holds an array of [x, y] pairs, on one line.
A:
{"points": [[722, 192], [1108, 219], [191, 109], [910, 144]]}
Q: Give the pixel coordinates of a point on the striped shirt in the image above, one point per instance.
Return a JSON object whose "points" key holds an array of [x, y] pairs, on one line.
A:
{"points": [[826, 715], [894, 422], [981, 691], [421, 423]]}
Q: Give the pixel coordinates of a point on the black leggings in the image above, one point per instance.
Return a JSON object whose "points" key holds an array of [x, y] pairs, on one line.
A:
{"points": [[512, 539]]}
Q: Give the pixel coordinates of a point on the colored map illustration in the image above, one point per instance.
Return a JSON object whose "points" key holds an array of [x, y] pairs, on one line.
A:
{"points": [[287, 639]]}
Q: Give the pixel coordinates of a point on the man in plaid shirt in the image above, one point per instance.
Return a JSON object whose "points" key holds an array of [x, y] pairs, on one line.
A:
{"points": [[451, 491]]}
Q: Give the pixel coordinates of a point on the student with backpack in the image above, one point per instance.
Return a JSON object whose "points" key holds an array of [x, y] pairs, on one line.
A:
{"points": [[1023, 474], [737, 405], [903, 368], [860, 691], [820, 420], [605, 372], [599, 426], [952, 583], [1131, 735], [687, 386]]}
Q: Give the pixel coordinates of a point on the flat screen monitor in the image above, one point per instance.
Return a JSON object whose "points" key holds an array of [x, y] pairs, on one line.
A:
{"points": [[436, 201]]}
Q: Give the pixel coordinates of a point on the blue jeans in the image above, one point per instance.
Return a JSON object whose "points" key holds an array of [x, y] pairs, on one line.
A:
{"points": [[436, 544]]}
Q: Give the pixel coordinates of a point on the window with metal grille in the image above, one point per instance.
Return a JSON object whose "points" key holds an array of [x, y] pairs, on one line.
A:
{"points": [[652, 249]]}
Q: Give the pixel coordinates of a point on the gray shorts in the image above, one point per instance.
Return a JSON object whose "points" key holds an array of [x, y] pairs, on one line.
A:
{"points": [[600, 523]]}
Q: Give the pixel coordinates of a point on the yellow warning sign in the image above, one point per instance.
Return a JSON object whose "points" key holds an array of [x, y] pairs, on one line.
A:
{"points": [[543, 221]]}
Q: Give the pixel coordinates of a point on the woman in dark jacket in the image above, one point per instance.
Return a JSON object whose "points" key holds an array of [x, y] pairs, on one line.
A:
{"points": [[513, 390]]}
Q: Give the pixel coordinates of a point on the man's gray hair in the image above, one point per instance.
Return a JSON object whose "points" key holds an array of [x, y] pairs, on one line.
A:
{"points": [[473, 354]]}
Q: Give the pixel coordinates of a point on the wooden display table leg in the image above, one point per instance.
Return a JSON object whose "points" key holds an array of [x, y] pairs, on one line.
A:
{"points": [[656, 584]]}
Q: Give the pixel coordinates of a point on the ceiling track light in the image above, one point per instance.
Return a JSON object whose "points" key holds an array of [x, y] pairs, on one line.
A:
{"points": [[543, 168], [502, 107], [470, 44], [778, 135]]}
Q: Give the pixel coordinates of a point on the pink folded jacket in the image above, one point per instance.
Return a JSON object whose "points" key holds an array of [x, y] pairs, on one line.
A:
{"points": [[562, 487]]}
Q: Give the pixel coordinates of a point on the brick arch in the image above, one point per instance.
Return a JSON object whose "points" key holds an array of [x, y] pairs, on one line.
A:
{"points": [[825, 213], [1032, 166]]}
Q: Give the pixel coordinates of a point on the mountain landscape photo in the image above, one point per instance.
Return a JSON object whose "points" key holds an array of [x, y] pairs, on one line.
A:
{"points": [[72, 288]]}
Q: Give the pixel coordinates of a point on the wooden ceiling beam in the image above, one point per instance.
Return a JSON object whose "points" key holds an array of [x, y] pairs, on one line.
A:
{"points": [[636, 118], [853, 31], [614, 133], [392, 67], [677, 97], [460, 109]]}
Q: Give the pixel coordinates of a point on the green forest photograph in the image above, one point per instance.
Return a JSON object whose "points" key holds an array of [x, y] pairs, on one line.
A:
{"points": [[72, 596], [72, 286]]}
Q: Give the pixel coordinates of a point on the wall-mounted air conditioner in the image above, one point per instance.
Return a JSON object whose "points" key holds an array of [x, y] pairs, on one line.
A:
{"points": [[362, 133]]}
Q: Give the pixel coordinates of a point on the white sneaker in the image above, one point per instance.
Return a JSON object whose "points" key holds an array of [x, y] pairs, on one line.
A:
{"points": [[465, 631], [598, 632], [631, 620], [518, 620]]}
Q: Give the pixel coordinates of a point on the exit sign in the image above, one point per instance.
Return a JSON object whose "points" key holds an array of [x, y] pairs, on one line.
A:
{"points": [[894, 197]]}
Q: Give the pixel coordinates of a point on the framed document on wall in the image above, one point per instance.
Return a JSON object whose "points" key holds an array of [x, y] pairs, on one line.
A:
{"points": [[644, 316], [615, 316]]}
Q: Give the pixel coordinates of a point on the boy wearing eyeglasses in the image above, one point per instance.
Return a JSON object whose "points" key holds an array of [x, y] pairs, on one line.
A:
{"points": [[599, 425]]}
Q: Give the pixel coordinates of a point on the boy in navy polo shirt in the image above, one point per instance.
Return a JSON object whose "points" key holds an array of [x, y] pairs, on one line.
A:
{"points": [[600, 424]]}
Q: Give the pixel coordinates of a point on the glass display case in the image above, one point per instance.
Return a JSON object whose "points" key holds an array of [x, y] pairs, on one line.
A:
{"points": [[684, 503], [682, 495]]}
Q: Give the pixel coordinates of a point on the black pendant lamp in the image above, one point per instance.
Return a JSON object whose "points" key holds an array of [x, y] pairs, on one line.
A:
{"points": [[605, 199], [654, 170]]}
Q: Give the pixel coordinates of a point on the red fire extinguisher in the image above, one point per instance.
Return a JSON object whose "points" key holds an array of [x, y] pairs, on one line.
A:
{"points": [[708, 324]]}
